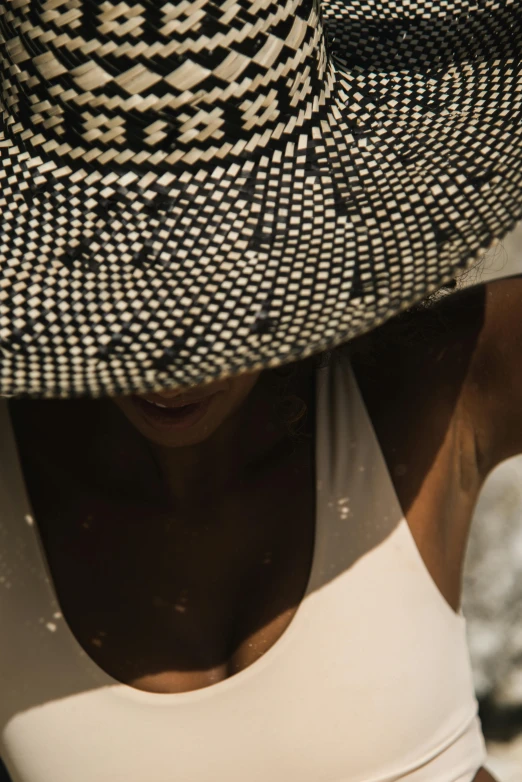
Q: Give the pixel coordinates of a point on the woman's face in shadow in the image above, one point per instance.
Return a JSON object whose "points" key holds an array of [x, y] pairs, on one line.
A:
{"points": [[189, 416]]}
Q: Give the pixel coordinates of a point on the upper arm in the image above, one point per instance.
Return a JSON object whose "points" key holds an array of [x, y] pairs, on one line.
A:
{"points": [[494, 383], [466, 347]]}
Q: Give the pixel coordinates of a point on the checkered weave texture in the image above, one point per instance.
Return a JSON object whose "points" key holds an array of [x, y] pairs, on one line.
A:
{"points": [[192, 189]]}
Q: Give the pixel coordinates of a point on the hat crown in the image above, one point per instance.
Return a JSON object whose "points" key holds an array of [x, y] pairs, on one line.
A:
{"points": [[150, 84]]}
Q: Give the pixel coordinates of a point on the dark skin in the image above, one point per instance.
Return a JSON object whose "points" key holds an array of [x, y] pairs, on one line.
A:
{"points": [[442, 386]]}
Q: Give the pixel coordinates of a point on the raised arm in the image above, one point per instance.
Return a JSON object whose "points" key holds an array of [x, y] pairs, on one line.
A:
{"points": [[467, 346], [495, 373]]}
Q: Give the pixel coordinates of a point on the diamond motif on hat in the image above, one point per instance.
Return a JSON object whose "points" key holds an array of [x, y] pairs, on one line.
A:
{"points": [[121, 19]]}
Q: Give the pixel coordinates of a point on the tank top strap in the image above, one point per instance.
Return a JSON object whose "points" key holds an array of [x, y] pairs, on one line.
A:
{"points": [[357, 482]]}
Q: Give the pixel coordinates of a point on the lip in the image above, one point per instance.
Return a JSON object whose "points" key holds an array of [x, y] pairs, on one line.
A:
{"points": [[163, 418], [174, 402]]}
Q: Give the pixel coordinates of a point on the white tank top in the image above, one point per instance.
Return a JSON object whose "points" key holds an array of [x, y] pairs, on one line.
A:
{"points": [[370, 682]]}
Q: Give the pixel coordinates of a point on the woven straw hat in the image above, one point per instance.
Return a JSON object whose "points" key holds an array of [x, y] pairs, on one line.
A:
{"points": [[190, 189]]}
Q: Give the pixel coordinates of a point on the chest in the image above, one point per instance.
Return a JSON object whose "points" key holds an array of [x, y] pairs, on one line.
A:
{"points": [[173, 602]]}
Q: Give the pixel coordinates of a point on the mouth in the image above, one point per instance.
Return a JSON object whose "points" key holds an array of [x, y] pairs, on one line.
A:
{"points": [[176, 414]]}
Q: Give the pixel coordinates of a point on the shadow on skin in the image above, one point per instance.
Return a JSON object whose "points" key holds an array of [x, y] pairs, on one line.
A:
{"points": [[29, 687]]}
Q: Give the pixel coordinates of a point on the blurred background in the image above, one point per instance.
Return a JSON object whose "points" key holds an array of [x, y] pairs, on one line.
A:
{"points": [[492, 600]]}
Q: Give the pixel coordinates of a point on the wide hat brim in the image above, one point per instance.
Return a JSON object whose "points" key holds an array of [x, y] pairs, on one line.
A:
{"points": [[120, 278]]}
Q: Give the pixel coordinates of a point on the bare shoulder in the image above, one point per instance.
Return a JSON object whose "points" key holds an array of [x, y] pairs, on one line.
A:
{"points": [[431, 380], [494, 383], [414, 376], [462, 352], [442, 330]]}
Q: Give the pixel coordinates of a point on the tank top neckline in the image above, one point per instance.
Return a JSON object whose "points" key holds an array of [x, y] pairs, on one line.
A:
{"points": [[372, 631], [103, 679], [125, 690]]}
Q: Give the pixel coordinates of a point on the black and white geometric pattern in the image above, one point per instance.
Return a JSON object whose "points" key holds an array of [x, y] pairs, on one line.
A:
{"points": [[190, 189]]}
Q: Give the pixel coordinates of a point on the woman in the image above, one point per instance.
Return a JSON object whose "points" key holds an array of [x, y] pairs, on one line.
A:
{"points": [[199, 524], [227, 553]]}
